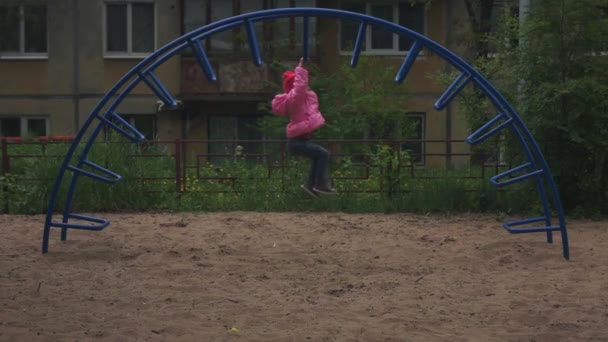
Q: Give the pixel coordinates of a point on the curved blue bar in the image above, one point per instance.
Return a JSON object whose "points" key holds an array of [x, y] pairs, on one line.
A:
{"points": [[453, 90], [412, 55], [475, 137], [192, 39], [253, 43], [124, 128], [203, 61], [358, 44]]}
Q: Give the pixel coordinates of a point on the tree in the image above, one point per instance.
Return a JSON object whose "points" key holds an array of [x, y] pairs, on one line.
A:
{"points": [[558, 82], [358, 103], [481, 24]]}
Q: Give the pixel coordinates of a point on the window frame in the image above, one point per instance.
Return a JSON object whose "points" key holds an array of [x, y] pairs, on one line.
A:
{"points": [[130, 118], [367, 49], [237, 119], [129, 52], [266, 32], [22, 54], [23, 124]]}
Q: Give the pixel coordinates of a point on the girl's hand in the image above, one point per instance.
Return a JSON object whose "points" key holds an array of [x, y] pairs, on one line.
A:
{"points": [[301, 62]]}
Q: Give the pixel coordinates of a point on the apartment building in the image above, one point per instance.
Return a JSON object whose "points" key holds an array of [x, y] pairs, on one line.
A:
{"points": [[58, 59]]}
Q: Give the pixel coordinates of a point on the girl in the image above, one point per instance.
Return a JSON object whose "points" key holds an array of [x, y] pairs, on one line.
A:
{"points": [[301, 104]]}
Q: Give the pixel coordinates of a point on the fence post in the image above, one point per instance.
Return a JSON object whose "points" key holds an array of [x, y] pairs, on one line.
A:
{"points": [[184, 163], [283, 153], [5, 163], [5, 170], [178, 164]]}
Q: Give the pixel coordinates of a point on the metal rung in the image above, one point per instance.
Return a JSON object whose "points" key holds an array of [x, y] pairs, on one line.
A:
{"points": [[358, 44], [126, 129], [459, 83], [509, 226], [159, 89], [409, 61], [101, 223], [495, 180], [253, 43], [526, 221], [115, 177], [203, 61], [475, 139]]}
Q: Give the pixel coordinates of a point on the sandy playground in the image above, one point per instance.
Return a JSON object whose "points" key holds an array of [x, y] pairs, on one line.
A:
{"points": [[301, 277]]}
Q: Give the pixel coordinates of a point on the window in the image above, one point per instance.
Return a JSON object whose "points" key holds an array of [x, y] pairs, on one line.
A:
{"points": [[10, 127], [349, 28], [23, 127], [232, 128], [144, 123], [23, 30], [286, 32], [221, 9], [195, 14], [416, 146], [377, 40], [248, 7], [129, 28]]}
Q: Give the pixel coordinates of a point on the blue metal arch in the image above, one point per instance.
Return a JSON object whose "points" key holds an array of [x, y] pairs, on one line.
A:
{"points": [[535, 168]]}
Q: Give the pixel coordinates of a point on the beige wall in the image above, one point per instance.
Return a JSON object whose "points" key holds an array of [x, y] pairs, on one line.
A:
{"points": [[46, 87], [23, 77]]}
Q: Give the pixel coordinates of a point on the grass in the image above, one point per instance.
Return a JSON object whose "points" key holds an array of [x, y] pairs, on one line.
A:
{"points": [[150, 184]]}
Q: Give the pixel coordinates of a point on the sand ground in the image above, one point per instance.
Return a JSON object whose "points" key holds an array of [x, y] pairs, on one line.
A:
{"points": [[245, 276]]}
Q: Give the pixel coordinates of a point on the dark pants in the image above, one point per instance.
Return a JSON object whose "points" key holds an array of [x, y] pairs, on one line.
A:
{"points": [[319, 160]]}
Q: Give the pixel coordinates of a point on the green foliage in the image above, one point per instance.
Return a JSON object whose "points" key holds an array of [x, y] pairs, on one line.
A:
{"points": [[381, 181], [566, 70], [357, 103], [364, 100], [28, 187], [553, 69], [391, 162], [385, 184]]}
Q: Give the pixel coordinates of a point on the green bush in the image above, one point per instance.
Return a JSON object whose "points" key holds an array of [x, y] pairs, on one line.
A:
{"points": [[382, 182]]}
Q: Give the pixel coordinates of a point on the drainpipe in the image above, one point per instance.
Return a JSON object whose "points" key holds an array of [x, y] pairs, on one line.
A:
{"points": [[76, 67]]}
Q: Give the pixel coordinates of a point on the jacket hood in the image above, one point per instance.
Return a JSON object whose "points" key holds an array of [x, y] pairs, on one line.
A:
{"points": [[288, 78]]}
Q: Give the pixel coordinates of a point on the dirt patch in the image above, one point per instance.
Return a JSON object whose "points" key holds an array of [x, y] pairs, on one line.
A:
{"points": [[301, 277]]}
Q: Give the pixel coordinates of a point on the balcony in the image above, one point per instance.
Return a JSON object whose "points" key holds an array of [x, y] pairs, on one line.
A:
{"points": [[233, 77]]}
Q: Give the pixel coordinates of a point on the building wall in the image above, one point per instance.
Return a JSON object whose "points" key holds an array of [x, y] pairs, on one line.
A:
{"points": [[441, 19], [46, 86]]}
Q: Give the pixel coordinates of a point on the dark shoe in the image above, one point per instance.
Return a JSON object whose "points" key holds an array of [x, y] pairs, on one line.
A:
{"points": [[309, 190], [325, 190]]}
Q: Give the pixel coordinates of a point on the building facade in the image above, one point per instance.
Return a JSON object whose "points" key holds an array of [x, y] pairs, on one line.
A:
{"points": [[58, 59]]}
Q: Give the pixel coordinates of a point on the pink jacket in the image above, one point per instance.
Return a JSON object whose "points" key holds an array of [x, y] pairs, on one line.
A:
{"points": [[301, 105]]}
